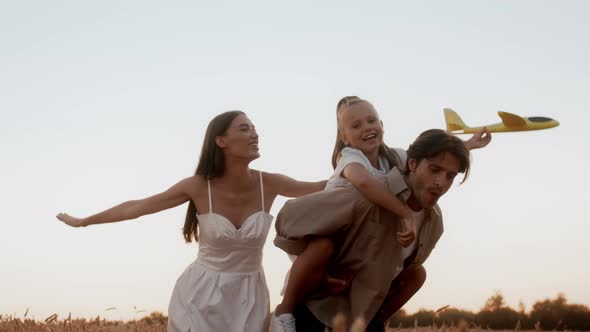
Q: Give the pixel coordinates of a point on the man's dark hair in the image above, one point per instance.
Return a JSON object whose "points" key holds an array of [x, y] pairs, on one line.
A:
{"points": [[434, 141]]}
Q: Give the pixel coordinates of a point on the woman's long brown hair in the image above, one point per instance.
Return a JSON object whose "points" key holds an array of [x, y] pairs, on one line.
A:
{"points": [[211, 164]]}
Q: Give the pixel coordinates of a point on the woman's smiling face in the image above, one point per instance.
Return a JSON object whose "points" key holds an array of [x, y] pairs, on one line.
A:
{"points": [[240, 139]]}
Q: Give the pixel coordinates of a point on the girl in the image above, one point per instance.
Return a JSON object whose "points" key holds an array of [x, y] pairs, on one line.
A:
{"points": [[359, 157], [225, 288]]}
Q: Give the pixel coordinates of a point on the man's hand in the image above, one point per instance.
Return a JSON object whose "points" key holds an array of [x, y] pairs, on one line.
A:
{"points": [[337, 282], [479, 139]]}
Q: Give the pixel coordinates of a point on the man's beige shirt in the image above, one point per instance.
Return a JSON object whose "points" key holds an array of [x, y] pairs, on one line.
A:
{"points": [[366, 243]]}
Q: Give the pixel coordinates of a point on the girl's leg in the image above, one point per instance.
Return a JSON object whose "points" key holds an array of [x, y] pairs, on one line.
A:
{"points": [[306, 273], [402, 288]]}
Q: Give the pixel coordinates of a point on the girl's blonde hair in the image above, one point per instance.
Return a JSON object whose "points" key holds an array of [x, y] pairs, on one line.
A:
{"points": [[343, 104]]}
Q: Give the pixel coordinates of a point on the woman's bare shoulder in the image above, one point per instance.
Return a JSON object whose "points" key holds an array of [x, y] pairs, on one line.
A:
{"points": [[271, 178], [193, 183]]}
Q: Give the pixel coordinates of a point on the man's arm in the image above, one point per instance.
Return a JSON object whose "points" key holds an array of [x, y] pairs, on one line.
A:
{"points": [[479, 140]]}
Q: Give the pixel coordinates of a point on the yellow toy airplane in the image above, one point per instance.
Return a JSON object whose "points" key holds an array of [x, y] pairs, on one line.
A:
{"points": [[510, 122]]}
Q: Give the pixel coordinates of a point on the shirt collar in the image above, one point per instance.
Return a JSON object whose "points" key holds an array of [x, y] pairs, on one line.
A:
{"points": [[397, 185]]}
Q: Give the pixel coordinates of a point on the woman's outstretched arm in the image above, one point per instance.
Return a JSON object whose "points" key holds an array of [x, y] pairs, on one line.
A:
{"points": [[289, 187], [174, 196]]}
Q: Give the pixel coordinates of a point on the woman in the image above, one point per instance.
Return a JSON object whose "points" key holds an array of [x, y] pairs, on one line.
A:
{"points": [[225, 288]]}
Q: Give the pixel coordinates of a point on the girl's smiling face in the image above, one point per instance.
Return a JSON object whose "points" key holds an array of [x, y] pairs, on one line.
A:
{"points": [[361, 128]]}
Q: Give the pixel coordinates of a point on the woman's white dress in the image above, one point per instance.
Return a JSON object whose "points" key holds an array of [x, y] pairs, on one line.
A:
{"points": [[224, 289]]}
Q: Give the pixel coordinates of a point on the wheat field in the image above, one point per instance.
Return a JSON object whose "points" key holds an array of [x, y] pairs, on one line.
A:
{"points": [[157, 323], [53, 324]]}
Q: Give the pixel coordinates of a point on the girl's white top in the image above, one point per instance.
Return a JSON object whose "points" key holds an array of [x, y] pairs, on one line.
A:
{"points": [[349, 156]]}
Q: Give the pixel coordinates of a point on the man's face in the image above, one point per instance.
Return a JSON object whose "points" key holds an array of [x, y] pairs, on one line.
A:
{"points": [[431, 178]]}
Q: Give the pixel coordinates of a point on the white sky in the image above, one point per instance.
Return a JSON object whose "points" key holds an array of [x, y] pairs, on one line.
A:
{"points": [[102, 102]]}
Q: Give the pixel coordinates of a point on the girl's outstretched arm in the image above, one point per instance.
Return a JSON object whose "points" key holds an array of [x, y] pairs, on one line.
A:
{"points": [[376, 191], [174, 196]]}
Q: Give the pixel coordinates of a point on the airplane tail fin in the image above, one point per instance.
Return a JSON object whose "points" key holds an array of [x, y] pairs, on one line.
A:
{"points": [[454, 121]]}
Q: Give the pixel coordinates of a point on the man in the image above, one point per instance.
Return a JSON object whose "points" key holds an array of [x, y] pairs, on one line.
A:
{"points": [[386, 275]]}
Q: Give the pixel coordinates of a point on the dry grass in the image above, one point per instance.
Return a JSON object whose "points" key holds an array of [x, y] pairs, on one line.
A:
{"points": [[340, 325], [54, 324]]}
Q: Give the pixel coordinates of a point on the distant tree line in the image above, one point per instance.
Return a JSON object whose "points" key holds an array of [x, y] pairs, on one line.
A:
{"points": [[548, 314]]}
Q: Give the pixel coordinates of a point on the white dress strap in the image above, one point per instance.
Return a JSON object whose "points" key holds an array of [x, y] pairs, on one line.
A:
{"points": [[209, 192], [261, 190]]}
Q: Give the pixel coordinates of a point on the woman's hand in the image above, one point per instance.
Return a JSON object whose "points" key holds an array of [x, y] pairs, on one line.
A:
{"points": [[69, 220], [479, 139]]}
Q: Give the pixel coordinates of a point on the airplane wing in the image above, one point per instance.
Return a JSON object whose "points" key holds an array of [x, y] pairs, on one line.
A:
{"points": [[511, 120]]}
